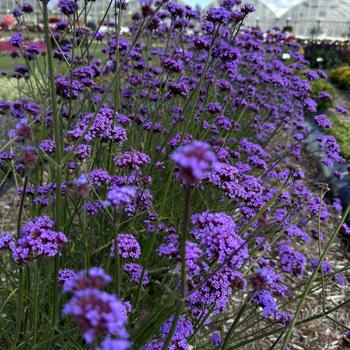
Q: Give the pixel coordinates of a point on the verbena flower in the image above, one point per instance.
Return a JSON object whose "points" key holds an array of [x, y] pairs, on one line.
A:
{"points": [[134, 272], [218, 234], [194, 161], [6, 240], [103, 127], [114, 344], [65, 274], [215, 338], [17, 13], [126, 246], [322, 121], [38, 238], [68, 7], [95, 277], [99, 177], [97, 313], [27, 7], [218, 15], [132, 159], [119, 197]]}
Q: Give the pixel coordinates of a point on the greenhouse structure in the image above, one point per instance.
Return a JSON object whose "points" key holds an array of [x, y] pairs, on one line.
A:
{"points": [[323, 19]]}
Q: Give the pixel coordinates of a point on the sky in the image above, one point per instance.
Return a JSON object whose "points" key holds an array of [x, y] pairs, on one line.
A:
{"points": [[280, 6]]}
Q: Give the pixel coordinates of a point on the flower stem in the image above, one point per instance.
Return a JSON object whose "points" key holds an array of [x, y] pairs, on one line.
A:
{"points": [[184, 236], [312, 278], [59, 153]]}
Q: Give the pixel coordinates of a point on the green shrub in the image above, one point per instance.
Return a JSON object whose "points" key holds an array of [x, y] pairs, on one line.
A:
{"points": [[341, 131], [341, 77], [323, 85]]}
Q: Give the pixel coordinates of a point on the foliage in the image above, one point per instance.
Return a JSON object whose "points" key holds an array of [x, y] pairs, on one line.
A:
{"points": [[341, 131], [331, 54], [341, 77], [319, 86]]}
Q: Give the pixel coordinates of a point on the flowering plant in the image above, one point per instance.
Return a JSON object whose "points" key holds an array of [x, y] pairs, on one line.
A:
{"points": [[163, 197]]}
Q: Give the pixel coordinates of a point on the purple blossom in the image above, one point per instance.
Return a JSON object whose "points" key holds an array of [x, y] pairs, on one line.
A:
{"points": [[295, 231], [135, 272], [193, 254], [103, 127], [226, 52], [218, 234], [339, 278], [291, 260], [328, 144], [322, 121], [17, 13], [27, 7], [248, 8], [68, 88], [173, 65], [267, 278], [337, 206], [97, 313], [94, 208], [218, 15], [132, 159], [265, 300], [126, 246], [6, 240], [7, 156], [94, 278], [345, 229], [68, 7], [194, 161], [215, 338], [341, 109], [99, 177], [121, 196], [48, 146], [38, 238], [216, 289], [326, 268], [65, 274], [114, 344], [183, 331]]}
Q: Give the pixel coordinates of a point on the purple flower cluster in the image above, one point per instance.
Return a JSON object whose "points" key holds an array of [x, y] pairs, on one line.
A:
{"points": [[37, 239], [27, 7], [126, 246], [267, 302], [218, 234], [119, 197], [322, 121], [68, 7], [194, 161], [132, 160], [95, 277], [183, 331], [102, 127], [134, 272], [95, 312]]}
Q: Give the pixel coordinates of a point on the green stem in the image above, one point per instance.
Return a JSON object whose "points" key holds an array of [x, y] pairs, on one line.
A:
{"points": [[59, 153], [180, 307], [235, 322], [312, 278]]}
